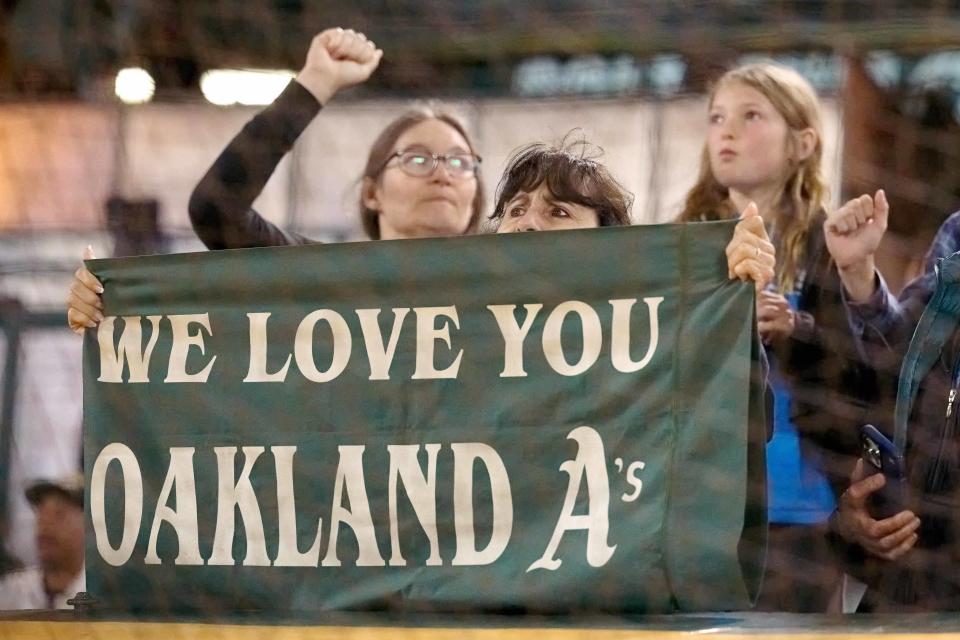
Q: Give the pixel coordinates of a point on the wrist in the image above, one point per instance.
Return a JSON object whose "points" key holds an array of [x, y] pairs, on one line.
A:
{"points": [[859, 279], [318, 84], [841, 526]]}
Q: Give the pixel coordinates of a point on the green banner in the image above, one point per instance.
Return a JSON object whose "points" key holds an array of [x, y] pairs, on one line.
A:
{"points": [[547, 421]]}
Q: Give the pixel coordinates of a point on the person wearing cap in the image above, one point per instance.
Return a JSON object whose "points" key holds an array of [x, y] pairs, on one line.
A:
{"points": [[58, 505]]}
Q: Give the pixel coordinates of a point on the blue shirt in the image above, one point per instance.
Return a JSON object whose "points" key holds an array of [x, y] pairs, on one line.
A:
{"points": [[797, 489]]}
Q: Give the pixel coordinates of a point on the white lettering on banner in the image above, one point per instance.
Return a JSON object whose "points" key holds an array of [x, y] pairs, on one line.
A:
{"points": [[258, 352], [231, 496], [427, 336], [380, 356], [288, 555], [129, 349], [184, 518], [515, 335], [350, 477], [237, 493], [303, 345], [132, 502], [590, 461], [592, 337], [464, 454], [422, 492], [433, 326], [620, 337], [632, 479], [182, 341]]}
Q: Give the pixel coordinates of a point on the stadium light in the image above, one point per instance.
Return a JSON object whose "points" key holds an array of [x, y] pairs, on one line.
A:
{"points": [[134, 85], [224, 87]]}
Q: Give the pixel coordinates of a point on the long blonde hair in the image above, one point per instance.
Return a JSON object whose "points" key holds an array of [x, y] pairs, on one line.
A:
{"points": [[804, 191]]}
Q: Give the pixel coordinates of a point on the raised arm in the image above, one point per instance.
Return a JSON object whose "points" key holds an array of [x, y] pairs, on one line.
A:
{"points": [[221, 204], [853, 234]]}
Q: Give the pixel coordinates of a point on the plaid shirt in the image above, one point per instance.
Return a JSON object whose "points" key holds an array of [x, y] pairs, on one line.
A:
{"points": [[926, 578], [890, 321]]}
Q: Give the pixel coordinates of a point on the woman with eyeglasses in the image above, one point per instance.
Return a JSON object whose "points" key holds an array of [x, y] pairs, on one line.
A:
{"points": [[420, 178]]}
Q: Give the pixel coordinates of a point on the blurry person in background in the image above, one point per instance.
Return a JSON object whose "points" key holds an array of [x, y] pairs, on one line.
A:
{"points": [[8, 562], [58, 505], [765, 145]]}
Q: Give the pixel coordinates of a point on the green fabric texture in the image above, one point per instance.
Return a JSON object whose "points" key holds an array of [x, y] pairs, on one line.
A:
{"points": [[594, 473]]}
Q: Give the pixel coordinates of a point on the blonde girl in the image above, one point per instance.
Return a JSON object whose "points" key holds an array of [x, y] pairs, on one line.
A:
{"points": [[765, 145]]}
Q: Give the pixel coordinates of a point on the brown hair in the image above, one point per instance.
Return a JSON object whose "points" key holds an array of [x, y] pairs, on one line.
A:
{"points": [[570, 176], [804, 191], [382, 149]]}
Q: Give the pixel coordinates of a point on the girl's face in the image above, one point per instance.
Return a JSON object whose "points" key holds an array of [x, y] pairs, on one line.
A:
{"points": [[537, 210], [747, 140], [439, 203]]}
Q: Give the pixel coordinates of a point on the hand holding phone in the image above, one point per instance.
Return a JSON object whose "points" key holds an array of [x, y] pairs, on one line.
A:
{"points": [[880, 455], [888, 538]]}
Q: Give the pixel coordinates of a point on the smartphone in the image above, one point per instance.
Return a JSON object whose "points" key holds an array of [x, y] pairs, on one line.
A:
{"points": [[882, 456]]}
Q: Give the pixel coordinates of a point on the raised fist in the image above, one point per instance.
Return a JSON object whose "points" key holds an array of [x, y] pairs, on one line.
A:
{"points": [[338, 58], [853, 233]]}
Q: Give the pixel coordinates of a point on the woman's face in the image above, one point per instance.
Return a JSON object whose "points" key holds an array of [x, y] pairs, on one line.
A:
{"points": [[747, 140], [537, 210], [436, 204]]}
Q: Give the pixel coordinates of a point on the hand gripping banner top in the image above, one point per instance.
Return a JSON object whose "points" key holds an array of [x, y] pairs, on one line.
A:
{"points": [[546, 422]]}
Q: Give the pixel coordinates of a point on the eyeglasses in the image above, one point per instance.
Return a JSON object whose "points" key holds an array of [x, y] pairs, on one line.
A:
{"points": [[421, 164]]}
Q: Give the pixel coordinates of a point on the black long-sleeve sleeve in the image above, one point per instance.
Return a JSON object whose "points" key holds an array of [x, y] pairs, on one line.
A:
{"points": [[221, 204], [832, 389]]}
